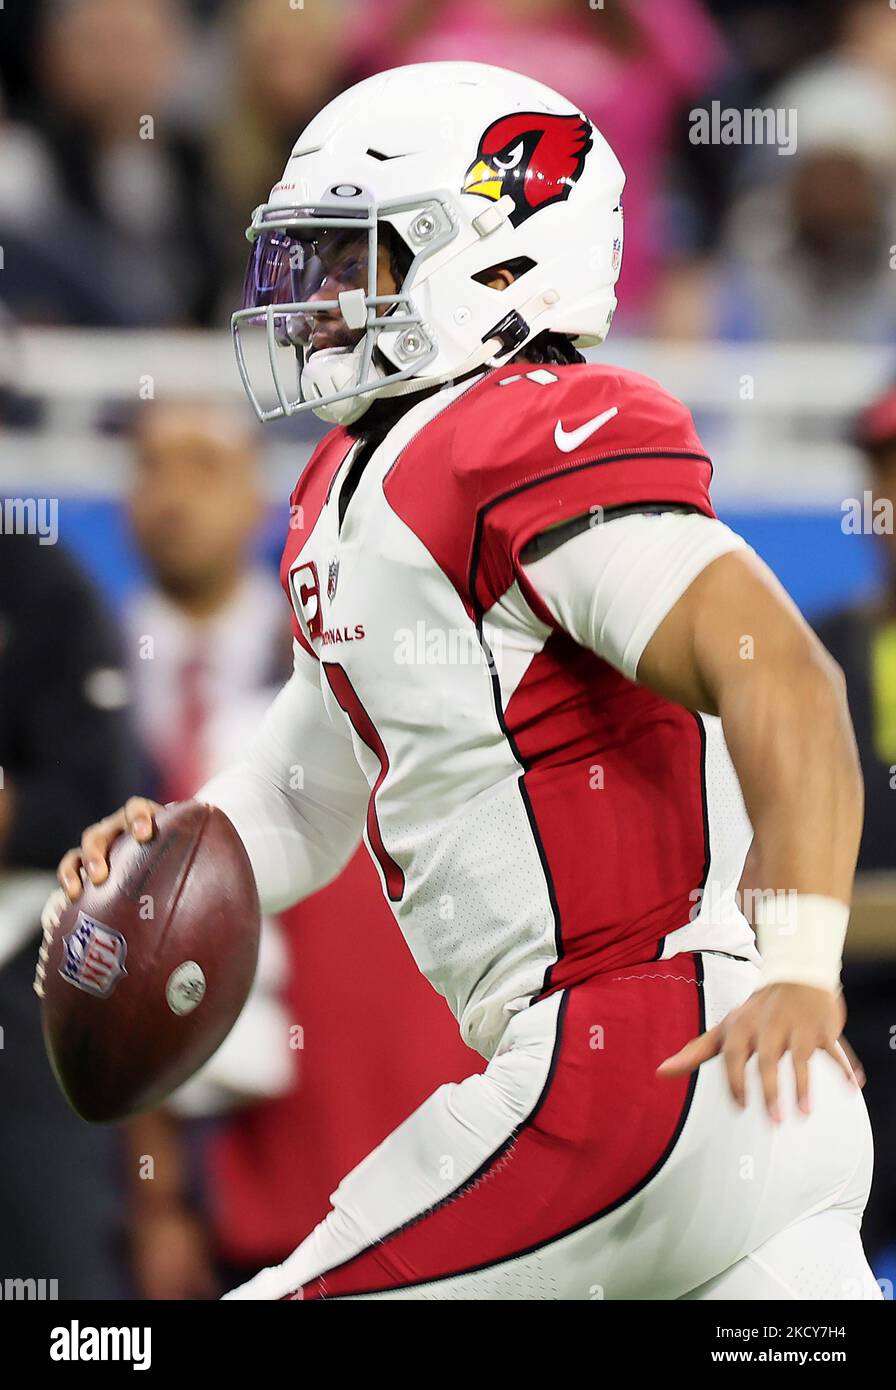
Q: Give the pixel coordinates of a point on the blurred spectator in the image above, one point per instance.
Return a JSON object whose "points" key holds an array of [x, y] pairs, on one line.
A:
{"points": [[337, 996], [632, 67], [289, 61], [120, 226], [805, 254], [209, 645], [766, 39], [64, 759], [814, 251], [868, 36], [27, 179], [19, 25], [862, 638], [208, 638], [770, 37], [148, 231]]}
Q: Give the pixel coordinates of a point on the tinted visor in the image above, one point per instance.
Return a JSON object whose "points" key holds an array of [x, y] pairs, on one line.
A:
{"points": [[298, 267]]}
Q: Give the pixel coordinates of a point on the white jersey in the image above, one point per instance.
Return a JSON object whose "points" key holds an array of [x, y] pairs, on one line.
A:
{"points": [[535, 815]]}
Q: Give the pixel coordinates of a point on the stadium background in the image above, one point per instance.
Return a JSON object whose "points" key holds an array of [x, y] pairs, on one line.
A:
{"points": [[137, 135]]}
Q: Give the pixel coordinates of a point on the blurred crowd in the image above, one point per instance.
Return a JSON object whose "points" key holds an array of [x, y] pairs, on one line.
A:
{"points": [[136, 136]]}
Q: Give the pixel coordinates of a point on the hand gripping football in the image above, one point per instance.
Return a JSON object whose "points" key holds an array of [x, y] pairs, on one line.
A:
{"points": [[144, 976]]}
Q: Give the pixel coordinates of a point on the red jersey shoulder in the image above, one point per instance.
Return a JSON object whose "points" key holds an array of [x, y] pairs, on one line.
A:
{"points": [[520, 421], [528, 447]]}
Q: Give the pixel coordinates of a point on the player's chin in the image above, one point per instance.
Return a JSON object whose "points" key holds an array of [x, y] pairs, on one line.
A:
{"points": [[327, 338]]}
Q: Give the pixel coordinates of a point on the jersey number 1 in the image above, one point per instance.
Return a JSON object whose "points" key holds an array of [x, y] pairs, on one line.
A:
{"points": [[362, 724]]}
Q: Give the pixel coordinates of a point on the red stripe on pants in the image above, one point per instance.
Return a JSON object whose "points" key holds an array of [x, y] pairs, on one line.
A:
{"points": [[603, 1126]]}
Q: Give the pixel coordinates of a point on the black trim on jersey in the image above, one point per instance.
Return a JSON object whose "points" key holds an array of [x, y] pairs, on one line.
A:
{"points": [[707, 850], [479, 614], [627, 456], [524, 765], [332, 481], [474, 1177], [549, 883], [369, 432], [580, 1225], [561, 473], [352, 478], [373, 429], [546, 542]]}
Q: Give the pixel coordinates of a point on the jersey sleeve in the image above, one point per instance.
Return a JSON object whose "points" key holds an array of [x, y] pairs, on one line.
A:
{"points": [[299, 799], [611, 586], [598, 440]]}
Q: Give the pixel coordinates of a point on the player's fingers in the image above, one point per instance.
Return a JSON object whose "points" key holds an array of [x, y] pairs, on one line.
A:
{"points": [[697, 1051], [138, 813], [95, 844], [770, 1054], [854, 1060], [736, 1053], [69, 873], [800, 1055], [136, 816], [836, 1051]]}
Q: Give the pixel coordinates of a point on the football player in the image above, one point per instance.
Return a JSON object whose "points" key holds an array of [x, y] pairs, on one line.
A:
{"points": [[557, 698]]}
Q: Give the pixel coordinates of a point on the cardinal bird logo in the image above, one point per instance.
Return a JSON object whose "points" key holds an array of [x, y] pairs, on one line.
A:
{"points": [[533, 157]]}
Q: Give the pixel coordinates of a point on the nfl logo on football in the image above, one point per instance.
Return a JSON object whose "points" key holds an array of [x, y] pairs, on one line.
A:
{"points": [[93, 957]]}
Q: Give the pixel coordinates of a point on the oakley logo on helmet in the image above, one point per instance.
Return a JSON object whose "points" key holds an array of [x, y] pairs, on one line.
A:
{"points": [[533, 157]]}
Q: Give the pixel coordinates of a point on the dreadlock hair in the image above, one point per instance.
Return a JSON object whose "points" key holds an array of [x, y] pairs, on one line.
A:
{"points": [[551, 349]]}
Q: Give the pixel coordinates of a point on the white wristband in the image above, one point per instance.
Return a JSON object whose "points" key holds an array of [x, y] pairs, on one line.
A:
{"points": [[800, 937]]}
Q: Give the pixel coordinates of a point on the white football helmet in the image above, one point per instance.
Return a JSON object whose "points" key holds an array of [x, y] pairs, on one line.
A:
{"points": [[443, 172]]}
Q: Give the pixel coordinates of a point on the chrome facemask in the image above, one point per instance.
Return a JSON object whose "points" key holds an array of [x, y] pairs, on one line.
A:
{"points": [[311, 291]]}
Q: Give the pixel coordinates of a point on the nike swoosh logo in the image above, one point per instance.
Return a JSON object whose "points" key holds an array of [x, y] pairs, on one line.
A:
{"points": [[567, 440]]}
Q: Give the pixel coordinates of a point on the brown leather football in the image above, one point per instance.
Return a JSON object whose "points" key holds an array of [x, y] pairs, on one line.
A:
{"points": [[147, 973]]}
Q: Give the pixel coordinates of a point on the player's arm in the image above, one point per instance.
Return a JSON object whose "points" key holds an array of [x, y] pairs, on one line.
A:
{"points": [[734, 645], [681, 605], [297, 801]]}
